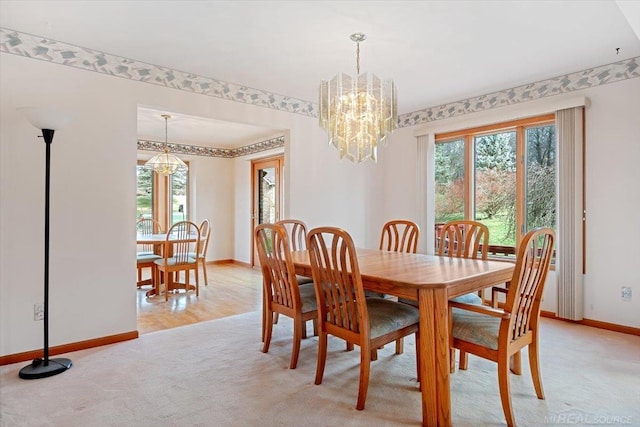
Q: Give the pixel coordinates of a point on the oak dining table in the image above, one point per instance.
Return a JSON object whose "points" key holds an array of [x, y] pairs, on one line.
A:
{"points": [[432, 281]]}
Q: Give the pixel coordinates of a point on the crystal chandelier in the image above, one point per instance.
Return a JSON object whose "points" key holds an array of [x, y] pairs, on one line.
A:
{"points": [[358, 113], [165, 163]]}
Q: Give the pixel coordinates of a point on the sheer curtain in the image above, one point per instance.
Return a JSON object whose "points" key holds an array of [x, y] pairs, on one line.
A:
{"points": [[426, 192], [570, 208]]}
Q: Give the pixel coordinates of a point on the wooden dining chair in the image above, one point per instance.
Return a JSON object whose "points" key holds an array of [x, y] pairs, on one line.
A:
{"points": [[399, 235], [201, 252], [343, 309], [297, 237], [282, 294], [498, 334], [183, 237], [464, 239], [146, 254]]}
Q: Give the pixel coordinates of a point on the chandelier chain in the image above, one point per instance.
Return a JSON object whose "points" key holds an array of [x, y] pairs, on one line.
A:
{"points": [[358, 58]]}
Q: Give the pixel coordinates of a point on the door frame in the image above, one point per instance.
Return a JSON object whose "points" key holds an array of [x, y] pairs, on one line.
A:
{"points": [[276, 162]]}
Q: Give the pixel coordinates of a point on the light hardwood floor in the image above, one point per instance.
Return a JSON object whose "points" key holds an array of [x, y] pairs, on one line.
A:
{"points": [[233, 289]]}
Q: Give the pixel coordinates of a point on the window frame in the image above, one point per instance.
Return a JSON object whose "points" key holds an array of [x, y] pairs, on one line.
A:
{"points": [[162, 197], [468, 135]]}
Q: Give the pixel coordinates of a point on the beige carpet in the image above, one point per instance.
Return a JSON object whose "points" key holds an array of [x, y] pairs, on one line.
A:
{"points": [[213, 374]]}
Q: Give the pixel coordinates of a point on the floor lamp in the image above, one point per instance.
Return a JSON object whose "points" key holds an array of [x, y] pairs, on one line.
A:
{"points": [[47, 120]]}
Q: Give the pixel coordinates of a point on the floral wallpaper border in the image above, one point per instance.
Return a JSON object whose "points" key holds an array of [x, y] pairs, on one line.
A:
{"points": [[227, 153], [35, 47], [592, 77]]}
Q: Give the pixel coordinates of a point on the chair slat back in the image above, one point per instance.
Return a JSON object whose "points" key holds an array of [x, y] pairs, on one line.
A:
{"points": [[179, 235], [337, 280], [147, 226], [400, 236], [523, 301], [464, 239], [278, 271], [297, 233], [205, 233]]}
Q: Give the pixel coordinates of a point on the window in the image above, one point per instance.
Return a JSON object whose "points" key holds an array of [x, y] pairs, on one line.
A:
{"points": [[502, 175], [164, 198], [178, 194], [144, 193]]}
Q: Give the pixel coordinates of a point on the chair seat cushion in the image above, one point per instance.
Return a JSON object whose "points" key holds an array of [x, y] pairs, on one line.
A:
{"points": [[387, 316], [147, 257], [476, 328], [308, 297], [471, 298], [174, 261], [303, 279], [194, 255]]}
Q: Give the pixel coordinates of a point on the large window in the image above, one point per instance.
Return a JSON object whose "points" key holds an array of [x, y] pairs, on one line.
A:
{"points": [[164, 198], [502, 175], [144, 193], [178, 196]]}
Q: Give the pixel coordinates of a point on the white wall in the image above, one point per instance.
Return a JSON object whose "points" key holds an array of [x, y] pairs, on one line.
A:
{"points": [[613, 202], [93, 195]]}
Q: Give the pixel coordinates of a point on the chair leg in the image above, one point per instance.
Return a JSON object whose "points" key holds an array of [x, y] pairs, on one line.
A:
{"points": [[400, 346], [418, 357], [365, 367], [516, 363], [534, 366], [322, 356], [374, 354], [349, 346], [275, 318], [505, 392], [463, 361], [197, 281], [298, 325], [315, 327], [204, 270], [267, 331], [452, 360]]}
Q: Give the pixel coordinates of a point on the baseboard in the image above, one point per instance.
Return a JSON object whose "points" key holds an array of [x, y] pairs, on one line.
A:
{"points": [[596, 324], [67, 348], [229, 261]]}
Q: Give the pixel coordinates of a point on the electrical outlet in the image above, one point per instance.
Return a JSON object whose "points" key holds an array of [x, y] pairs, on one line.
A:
{"points": [[625, 293], [38, 311]]}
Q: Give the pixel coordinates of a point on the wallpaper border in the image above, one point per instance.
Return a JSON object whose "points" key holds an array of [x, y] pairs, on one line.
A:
{"points": [[36, 47], [227, 153]]}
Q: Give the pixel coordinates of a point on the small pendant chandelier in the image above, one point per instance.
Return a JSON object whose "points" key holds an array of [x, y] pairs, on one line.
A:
{"points": [[358, 113], [165, 163]]}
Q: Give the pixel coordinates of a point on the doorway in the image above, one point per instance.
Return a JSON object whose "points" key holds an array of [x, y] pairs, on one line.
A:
{"points": [[266, 179]]}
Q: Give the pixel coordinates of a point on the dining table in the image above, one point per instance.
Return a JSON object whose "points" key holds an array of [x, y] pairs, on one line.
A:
{"points": [[431, 281], [165, 245]]}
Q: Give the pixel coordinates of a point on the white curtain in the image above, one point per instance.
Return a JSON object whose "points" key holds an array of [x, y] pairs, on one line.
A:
{"points": [[570, 208], [426, 192]]}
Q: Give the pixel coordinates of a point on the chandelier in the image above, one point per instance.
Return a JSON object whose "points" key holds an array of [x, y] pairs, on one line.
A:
{"points": [[165, 163], [358, 113]]}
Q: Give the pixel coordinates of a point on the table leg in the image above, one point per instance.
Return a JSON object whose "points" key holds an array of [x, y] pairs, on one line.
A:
{"points": [[434, 357]]}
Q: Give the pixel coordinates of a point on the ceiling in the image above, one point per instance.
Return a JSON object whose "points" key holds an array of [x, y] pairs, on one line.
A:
{"points": [[435, 51]]}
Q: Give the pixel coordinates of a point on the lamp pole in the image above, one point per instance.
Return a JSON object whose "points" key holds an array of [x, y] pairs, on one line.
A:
{"points": [[45, 367]]}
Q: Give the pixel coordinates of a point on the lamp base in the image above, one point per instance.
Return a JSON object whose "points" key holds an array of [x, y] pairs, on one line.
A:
{"points": [[37, 369]]}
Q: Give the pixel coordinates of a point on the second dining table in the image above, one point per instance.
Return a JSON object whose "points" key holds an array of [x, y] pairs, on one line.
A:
{"points": [[432, 281]]}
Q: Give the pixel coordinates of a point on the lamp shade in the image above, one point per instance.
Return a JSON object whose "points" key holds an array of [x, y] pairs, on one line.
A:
{"points": [[46, 118]]}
